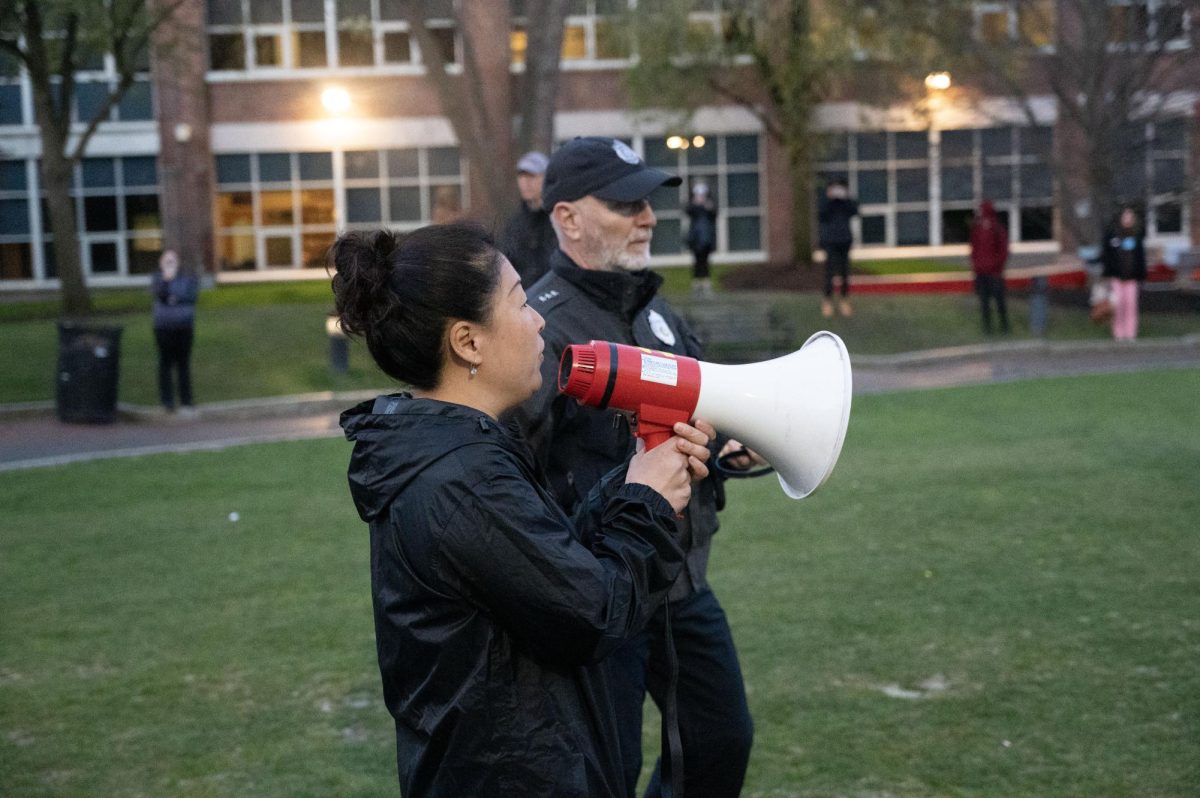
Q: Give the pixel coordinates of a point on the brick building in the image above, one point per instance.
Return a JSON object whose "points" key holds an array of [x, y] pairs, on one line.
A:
{"points": [[227, 146]]}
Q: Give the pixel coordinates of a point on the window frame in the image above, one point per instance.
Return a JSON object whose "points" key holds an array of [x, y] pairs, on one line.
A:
{"points": [[331, 26]]}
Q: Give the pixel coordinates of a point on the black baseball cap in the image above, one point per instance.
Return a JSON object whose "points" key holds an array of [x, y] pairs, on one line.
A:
{"points": [[602, 167]]}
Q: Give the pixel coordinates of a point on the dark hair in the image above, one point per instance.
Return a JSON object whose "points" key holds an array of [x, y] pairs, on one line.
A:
{"points": [[399, 292]]}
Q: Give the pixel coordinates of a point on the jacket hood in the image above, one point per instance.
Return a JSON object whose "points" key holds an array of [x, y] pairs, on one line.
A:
{"points": [[396, 437]]}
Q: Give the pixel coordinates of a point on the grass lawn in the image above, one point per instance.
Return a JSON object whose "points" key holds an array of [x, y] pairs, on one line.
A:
{"points": [[891, 323], [996, 594], [251, 341], [269, 340]]}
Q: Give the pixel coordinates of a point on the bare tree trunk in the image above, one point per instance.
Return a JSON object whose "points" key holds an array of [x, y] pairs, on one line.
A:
{"points": [[56, 182], [183, 129], [51, 61], [487, 58], [539, 86], [478, 102], [801, 163]]}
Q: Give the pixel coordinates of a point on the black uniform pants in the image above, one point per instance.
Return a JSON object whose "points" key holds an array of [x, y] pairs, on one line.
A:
{"points": [[837, 263], [174, 355], [990, 288], [714, 719]]}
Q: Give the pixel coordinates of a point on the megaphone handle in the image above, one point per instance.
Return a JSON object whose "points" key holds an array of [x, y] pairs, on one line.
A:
{"points": [[653, 434], [656, 425]]}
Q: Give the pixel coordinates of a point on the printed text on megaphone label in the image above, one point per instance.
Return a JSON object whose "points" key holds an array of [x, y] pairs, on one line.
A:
{"points": [[662, 370]]}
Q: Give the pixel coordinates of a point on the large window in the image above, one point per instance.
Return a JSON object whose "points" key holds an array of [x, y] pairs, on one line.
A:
{"points": [[120, 228], [16, 227], [274, 209], [92, 87], [590, 34], [11, 112], [1005, 165], [912, 193], [264, 35], [115, 201], [403, 188], [731, 167], [889, 173], [1030, 22], [1132, 23], [593, 36], [282, 210], [1153, 173]]}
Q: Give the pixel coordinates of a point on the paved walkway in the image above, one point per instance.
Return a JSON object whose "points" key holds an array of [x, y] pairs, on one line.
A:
{"points": [[31, 437]]}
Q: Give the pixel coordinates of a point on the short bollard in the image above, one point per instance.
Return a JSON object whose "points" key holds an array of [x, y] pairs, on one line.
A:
{"points": [[339, 346], [1038, 304]]}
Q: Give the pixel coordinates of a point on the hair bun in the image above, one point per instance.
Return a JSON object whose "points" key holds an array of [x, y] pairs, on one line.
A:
{"points": [[362, 264]]}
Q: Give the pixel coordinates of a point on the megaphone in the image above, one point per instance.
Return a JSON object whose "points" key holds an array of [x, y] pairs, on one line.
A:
{"points": [[792, 410]]}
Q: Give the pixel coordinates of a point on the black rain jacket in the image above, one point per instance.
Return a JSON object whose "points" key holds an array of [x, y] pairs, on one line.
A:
{"points": [[492, 607]]}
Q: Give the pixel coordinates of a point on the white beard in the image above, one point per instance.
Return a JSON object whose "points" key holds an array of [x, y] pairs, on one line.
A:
{"points": [[632, 263], [622, 259]]}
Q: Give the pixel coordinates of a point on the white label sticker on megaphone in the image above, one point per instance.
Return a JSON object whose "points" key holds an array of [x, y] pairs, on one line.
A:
{"points": [[662, 370]]}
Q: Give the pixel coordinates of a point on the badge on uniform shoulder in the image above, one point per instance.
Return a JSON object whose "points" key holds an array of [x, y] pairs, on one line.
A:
{"points": [[660, 328]]}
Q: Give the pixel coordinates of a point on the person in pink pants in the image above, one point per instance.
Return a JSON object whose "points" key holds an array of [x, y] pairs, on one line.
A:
{"points": [[1124, 259]]}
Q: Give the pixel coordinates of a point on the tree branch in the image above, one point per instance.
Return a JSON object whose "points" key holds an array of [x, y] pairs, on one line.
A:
{"points": [[769, 123], [101, 116]]}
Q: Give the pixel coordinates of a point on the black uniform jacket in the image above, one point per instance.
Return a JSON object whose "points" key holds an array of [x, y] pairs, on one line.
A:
{"points": [[491, 606], [577, 445]]}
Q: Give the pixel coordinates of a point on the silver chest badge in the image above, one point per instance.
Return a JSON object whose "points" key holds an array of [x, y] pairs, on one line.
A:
{"points": [[660, 328]]}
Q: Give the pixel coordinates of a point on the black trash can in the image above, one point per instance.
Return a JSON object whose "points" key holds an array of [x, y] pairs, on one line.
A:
{"points": [[88, 365]]}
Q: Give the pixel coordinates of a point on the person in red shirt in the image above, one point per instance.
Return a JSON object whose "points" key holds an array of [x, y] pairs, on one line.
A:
{"points": [[989, 253]]}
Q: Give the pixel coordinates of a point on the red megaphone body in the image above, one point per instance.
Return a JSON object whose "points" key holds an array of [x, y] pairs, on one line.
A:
{"points": [[661, 388]]}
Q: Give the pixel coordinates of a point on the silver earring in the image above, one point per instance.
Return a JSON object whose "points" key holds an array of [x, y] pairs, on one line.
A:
{"points": [[474, 369]]}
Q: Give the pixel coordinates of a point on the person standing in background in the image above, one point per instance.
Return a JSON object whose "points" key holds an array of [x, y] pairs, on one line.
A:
{"points": [[1124, 259], [528, 240], [702, 235], [447, 205], [174, 317], [837, 209], [989, 254]]}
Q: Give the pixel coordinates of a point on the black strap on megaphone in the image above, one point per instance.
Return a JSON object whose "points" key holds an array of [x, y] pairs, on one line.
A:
{"points": [[671, 781], [729, 472]]}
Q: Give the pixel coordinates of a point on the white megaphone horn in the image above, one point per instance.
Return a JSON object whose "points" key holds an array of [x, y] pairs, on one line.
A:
{"points": [[793, 410]]}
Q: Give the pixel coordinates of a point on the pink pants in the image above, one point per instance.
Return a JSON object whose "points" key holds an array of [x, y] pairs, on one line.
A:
{"points": [[1125, 309]]}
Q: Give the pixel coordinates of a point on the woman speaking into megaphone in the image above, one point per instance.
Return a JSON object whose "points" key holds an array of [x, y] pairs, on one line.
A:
{"points": [[491, 606]]}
